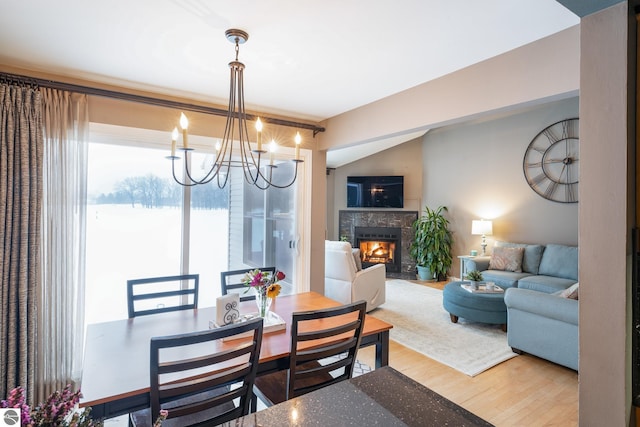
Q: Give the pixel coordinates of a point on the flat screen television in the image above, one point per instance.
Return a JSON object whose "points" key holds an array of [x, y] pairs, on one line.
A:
{"points": [[375, 192]]}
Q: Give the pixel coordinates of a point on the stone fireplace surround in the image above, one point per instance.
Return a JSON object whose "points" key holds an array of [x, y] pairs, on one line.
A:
{"points": [[350, 219]]}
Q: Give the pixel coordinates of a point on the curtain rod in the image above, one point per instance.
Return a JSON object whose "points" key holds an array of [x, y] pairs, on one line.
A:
{"points": [[33, 81]]}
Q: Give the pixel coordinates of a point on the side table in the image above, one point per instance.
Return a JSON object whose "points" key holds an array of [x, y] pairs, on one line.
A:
{"points": [[463, 264]]}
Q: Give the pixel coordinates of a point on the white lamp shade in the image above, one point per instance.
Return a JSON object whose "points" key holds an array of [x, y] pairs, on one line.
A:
{"points": [[481, 227]]}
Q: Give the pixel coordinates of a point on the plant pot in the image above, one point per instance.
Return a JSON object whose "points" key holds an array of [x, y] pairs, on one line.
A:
{"points": [[424, 273], [474, 285]]}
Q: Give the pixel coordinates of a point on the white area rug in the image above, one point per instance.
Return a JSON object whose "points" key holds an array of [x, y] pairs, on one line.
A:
{"points": [[422, 324]]}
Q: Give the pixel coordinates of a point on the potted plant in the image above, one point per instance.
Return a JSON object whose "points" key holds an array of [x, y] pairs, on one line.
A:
{"points": [[431, 246], [474, 276]]}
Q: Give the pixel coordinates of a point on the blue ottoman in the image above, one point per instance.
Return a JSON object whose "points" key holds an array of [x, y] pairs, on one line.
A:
{"points": [[477, 307]]}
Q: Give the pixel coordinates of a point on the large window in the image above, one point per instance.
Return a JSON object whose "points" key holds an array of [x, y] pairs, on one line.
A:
{"points": [[138, 226]]}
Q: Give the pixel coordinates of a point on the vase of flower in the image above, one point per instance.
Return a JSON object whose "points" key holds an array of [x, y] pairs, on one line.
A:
{"points": [[266, 287], [263, 302]]}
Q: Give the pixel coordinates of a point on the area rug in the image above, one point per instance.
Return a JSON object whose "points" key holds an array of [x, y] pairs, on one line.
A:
{"points": [[422, 324]]}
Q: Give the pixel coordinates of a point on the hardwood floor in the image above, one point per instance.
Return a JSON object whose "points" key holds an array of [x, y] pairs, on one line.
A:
{"points": [[523, 391]]}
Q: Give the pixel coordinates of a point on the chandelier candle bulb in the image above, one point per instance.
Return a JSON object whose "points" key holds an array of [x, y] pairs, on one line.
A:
{"points": [[298, 139], [174, 138], [184, 124], [272, 149], [259, 129]]}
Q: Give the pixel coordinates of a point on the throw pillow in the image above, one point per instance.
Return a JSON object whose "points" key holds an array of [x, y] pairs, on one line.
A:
{"points": [[531, 256], [571, 292], [506, 259]]}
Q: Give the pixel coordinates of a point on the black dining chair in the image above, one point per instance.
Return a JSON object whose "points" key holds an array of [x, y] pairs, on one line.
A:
{"points": [[324, 345], [231, 281], [197, 382], [161, 294]]}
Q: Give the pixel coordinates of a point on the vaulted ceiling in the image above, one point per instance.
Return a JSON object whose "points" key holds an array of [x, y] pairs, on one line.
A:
{"points": [[310, 60]]}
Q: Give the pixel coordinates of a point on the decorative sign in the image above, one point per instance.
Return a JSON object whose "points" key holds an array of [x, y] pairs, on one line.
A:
{"points": [[10, 417], [227, 309]]}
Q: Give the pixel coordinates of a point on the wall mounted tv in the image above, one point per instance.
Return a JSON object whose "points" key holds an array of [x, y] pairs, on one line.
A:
{"points": [[375, 191]]}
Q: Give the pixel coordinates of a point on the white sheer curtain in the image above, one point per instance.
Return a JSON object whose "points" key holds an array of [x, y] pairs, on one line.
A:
{"points": [[61, 308]]}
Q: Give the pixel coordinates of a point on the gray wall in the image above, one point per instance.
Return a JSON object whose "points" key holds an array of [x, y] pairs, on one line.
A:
{"points": [[404, 159], [475, 169]]}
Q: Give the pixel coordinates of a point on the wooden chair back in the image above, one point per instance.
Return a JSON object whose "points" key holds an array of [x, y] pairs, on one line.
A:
{"points": [[197, 386], [161, 294], [231, 281], [336, 333]]}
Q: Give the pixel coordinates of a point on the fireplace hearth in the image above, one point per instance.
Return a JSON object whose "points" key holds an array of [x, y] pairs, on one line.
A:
{"points": [[380, 245], [382, 236]]}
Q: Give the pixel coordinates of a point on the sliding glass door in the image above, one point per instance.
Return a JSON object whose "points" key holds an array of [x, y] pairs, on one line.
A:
{"points": [[143, 224], [270, 234]]}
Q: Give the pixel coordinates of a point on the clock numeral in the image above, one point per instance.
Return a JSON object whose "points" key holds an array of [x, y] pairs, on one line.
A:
{"points": [[569, 128], [551, 136], [534, 165], [571, 194], [551, 188], [540, 150], [538, 179]]}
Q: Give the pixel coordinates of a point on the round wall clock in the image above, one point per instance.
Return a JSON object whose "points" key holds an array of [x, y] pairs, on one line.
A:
{"points": [[551, 162]]}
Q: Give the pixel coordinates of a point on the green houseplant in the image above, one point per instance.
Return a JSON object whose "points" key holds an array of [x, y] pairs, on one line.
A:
{"points": [[431, 246], [474, 276]]}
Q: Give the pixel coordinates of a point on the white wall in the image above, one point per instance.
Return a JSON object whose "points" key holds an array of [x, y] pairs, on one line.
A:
{"points": [[475, 169], [548, 69]]}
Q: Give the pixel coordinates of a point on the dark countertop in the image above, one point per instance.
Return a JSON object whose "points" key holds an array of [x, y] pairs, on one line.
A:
{"points": [[384, 397]]}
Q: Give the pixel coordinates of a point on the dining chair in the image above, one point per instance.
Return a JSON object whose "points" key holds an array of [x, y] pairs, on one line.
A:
{"points": [[231, 281], [324, 345], [161, 294], [196, 381]]}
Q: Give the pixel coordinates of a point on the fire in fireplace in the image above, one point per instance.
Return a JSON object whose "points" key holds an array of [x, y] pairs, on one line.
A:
{"points": [[377, 252], [379, 245]]}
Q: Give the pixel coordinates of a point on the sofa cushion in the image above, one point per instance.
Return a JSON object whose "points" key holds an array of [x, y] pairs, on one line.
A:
{"points": [[531, 257], [504, 279], [506, 259], [546, 284], [560, 261]]}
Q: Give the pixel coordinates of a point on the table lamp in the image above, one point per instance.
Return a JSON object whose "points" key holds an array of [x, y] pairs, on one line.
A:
{"points": [[484, 228]]}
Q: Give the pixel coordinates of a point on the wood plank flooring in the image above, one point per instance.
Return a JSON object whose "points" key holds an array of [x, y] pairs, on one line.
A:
{"points": [[523, 391]]}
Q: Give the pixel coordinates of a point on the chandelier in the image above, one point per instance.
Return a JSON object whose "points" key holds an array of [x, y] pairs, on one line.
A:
{"points": [[257, 171]]}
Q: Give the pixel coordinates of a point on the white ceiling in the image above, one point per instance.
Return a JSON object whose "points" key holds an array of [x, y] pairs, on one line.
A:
{"points": [[307, 59]]}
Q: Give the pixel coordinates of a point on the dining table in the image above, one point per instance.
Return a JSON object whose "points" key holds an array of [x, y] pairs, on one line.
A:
{"points": [[383, 397], [115, 376]]}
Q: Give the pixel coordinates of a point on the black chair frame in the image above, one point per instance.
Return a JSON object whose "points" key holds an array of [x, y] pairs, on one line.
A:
{"points": [[132, 297], [306, 372], [213, 389]]}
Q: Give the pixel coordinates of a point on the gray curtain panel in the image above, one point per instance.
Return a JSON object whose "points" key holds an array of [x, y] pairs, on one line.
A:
{"points": [[21, 150]]}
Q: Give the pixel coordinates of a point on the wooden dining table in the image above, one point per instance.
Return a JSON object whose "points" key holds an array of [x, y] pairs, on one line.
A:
{"points": [[115, 377]]}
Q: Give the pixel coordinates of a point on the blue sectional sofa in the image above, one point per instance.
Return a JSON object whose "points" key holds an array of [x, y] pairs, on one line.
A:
{"points": [[542, 314], [545, 325], [549, 268]]}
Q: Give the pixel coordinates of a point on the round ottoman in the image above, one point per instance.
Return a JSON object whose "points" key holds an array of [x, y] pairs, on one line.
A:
{"points": [[474, 306]]}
